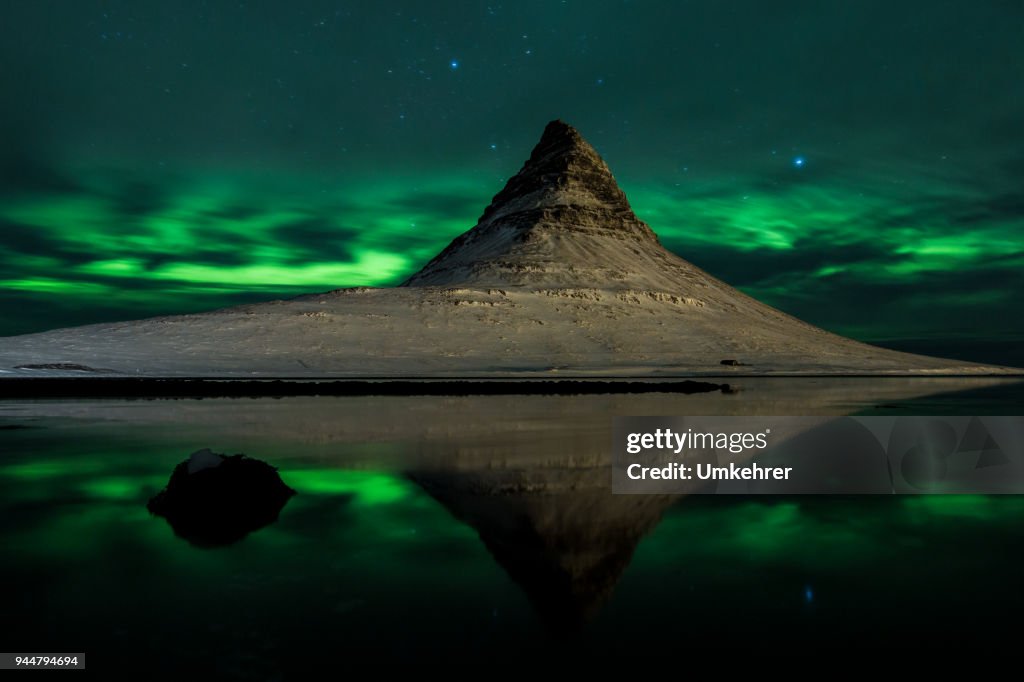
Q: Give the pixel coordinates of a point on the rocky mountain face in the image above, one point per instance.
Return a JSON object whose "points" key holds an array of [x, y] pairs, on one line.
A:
{"points": [[561, 221], [558, 275]]}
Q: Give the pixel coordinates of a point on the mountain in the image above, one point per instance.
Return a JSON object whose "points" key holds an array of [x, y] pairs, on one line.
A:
{"points": [[559, 276], [562, 221], [561, 534]]}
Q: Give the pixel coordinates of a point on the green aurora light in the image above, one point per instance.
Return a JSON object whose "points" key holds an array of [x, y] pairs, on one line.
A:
{"points": [[152, 167]]}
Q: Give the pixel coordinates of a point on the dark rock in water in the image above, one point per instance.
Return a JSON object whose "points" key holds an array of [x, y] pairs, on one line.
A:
{"points": [[213, 500], [733, 363]]}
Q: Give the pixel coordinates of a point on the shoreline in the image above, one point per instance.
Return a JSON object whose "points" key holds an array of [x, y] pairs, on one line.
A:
{"points": [[22, 387], [119, 387]]}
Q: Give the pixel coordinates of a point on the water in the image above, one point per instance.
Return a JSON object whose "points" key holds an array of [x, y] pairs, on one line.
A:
{"points": [[432, 529]]}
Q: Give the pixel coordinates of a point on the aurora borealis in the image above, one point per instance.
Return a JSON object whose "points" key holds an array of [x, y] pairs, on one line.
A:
{"points": [[858, 165]]}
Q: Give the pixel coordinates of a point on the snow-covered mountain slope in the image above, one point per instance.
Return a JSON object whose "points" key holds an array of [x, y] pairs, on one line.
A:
{"points": [[559, 277]]}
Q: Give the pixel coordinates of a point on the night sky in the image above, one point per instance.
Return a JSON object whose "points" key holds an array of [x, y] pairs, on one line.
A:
{"points": [[857, 164]]}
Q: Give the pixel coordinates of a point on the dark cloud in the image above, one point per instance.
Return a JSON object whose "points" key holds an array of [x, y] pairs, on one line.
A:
{"points": [[968, 305], [202, 256], [135, 198], [317, 238], [232, 212], [742, 267], [999, 209], [436, 203], [17, 239]]}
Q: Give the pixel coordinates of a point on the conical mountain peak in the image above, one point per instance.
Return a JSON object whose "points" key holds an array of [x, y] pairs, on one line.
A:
{"points": [[563, 170], [561, 220]]}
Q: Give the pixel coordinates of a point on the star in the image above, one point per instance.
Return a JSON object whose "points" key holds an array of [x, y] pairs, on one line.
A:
{"points": [[454, 64], [799, 162]]}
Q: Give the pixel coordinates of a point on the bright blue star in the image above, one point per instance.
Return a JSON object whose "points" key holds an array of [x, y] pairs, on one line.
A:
{"points": [[799, 162], [454, 64], [494, 146]]}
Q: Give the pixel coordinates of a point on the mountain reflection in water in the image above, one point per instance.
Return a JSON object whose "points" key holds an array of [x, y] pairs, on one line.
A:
{"points": [[424, 521]]}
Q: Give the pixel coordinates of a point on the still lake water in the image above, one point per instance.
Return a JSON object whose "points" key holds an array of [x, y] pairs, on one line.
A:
{"points": [[432, 529]]}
